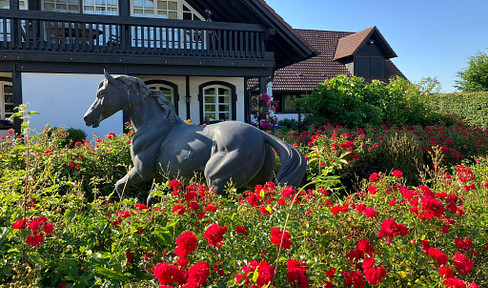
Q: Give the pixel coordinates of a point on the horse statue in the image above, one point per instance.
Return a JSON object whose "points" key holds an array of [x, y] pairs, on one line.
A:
{"points": [[165, 144]]}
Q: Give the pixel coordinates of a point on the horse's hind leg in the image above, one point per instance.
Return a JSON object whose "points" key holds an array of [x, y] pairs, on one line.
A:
{"points": [[232, 165], [267, 171], [131, 178]]}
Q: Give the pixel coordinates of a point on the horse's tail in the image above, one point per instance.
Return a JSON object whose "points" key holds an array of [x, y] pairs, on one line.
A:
{"points": [[293, 163]]}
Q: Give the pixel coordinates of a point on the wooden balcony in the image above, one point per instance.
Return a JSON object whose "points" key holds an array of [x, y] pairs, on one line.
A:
{"points": [[47, 36]]}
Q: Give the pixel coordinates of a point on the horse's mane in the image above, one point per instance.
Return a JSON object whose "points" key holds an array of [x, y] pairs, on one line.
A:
{"points": [[144, 91]]}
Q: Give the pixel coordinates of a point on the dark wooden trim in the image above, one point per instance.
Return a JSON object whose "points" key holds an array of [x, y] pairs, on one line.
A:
{"points": [[101, 58], [134, 69], [232, 87], [17, 90], [247, 97], [187, 97], [124, 7], [176, 97], [14, 5]]}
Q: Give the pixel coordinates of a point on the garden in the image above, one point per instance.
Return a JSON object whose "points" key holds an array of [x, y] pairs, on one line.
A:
{"points": [[395, 194]]}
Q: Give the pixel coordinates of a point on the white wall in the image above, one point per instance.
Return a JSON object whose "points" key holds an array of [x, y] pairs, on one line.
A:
{"points": [[63, 99]]}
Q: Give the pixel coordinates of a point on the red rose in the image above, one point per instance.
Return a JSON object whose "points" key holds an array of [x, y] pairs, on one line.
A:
{"points": [[19, 224], [215, 234], [397, 173], [198, 273], [463, 263]]}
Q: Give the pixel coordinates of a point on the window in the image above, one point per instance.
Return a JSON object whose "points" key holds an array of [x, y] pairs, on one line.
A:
{"points": [[101, 7], [67, 6], [169, 89], [216, 103], [377, 66], [370, 66], [286, 103], [363, 64], [5, 4], [6, 100], [176, 9]]}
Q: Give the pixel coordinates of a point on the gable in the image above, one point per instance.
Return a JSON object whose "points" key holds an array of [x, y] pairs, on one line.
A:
{"points": [[367, 42]]}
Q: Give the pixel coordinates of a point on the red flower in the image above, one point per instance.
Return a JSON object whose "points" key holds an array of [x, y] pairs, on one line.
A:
{"points": [[179, 209], [330, 273], [34, 225], [141, 206], [364, 245], [183, 262], [373, 177], [372, 189], [277, 235], [368, 262], [454, 283], [294, 265], [266, 274], [298, 278], [35, 239], [198, 273], [438, 255], [446, 272], [167, 274], [242, 230], [354, 255], [19, 224], [48, 228], [374, 275], [465, 244], [389, 229], [463, 263], [187, 243], [370, 212], [215, 234], [397, 173]]}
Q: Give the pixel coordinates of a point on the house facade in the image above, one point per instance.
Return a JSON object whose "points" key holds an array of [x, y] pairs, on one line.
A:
{"points": [[201, 53], [364, 54]]}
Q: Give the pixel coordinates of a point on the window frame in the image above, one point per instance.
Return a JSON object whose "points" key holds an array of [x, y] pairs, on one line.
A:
{"points": [[4, 81], [232, 99], [175, 97], [179, 10]]}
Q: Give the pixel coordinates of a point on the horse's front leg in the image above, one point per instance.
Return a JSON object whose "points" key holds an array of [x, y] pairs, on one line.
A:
{"points": [[131, 178]]}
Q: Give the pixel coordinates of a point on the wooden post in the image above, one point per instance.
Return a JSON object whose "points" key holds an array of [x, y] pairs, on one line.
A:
{"points": [[262, 103], [17, 91]]}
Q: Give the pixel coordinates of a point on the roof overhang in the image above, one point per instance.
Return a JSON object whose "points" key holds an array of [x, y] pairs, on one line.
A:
{"points": [[289, 47]]}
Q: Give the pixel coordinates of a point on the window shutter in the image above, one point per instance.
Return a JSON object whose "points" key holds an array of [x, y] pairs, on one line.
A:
{"points": [[362, 66], [377, 66]]}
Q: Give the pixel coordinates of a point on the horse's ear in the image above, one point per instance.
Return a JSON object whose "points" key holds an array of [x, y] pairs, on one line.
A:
{"points": [[109, 77]]}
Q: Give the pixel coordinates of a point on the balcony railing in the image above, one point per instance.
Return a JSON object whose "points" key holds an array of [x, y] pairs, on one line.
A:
{"points": [[59, 32]]}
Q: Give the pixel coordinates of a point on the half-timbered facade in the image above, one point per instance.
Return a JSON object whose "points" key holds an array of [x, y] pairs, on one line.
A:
{"points": [[199, 52]]}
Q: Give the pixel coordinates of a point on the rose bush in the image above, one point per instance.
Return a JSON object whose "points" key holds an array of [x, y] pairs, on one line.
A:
{"points": [[55, 232]]}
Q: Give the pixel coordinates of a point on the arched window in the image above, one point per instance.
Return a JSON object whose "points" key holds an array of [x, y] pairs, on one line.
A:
{"points": [[6, 98], [217, 102], [169, 89]]}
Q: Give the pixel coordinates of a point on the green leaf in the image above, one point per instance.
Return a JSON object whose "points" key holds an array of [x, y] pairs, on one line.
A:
{"points": [[33, 113], [18, 147], [109, 273], [255, 275]]}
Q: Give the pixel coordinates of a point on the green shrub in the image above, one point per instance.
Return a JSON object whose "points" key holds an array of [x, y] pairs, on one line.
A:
{"points": [[472, 106], [74, 135], [397, 151], [350, 102]]}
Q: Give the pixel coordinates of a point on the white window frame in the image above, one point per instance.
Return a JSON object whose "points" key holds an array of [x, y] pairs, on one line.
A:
{"points": [[3, 113], [161, 87], [61, 2], [105, 7], [217, 103], [179, 10]]}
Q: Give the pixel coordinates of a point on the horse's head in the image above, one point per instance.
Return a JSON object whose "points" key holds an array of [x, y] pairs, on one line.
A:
{"points": [[111, 96]]}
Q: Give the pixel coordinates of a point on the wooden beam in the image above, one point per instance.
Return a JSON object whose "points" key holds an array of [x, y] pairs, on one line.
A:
{"points": [[17, 91]]}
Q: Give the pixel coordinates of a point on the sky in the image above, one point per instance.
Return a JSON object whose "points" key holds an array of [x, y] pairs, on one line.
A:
{"points": [[432, 38]]}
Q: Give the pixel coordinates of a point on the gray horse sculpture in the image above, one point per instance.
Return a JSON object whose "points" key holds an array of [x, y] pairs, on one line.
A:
{"points": [[164, 144]]}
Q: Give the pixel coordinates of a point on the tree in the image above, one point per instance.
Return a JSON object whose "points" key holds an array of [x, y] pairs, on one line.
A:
{"points": [[474, 78]]}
